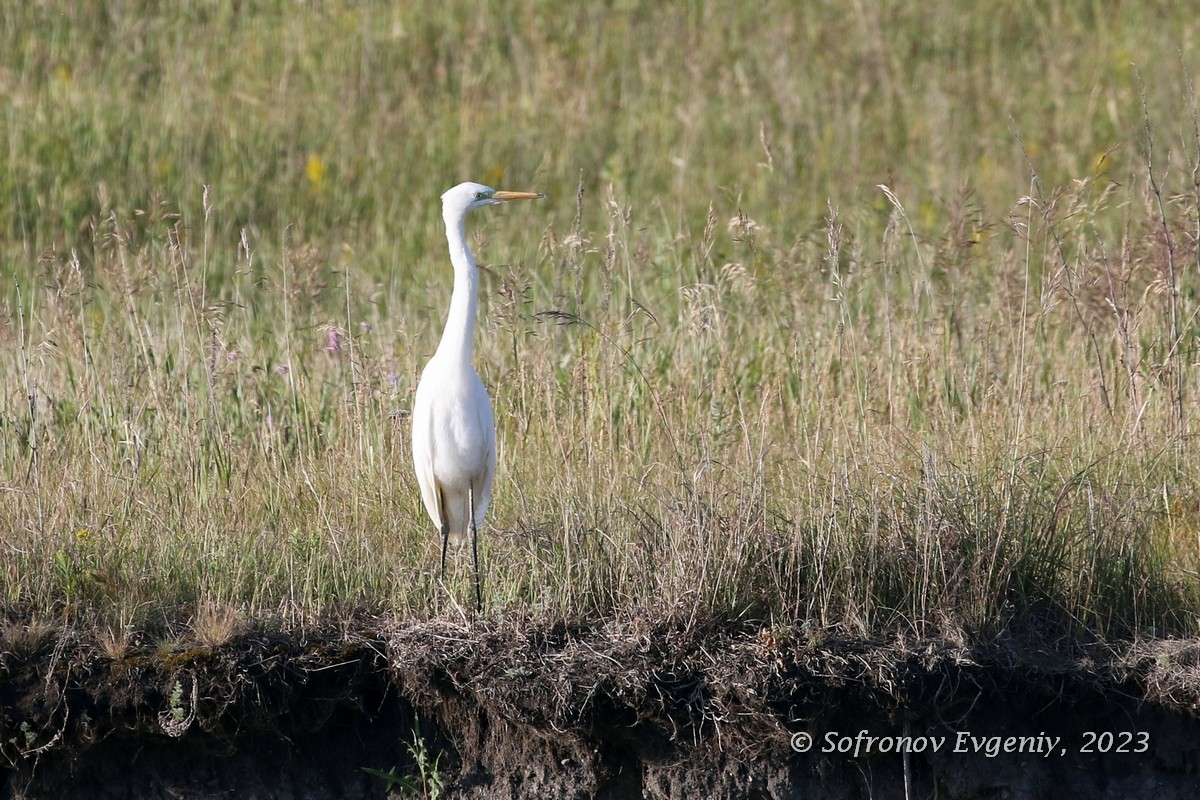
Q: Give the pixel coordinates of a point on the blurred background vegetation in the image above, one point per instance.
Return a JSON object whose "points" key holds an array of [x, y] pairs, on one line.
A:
{"points": [[348, 120]]}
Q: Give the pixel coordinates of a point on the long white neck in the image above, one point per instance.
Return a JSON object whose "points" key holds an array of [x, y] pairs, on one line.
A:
{"points": [[459, 334]]}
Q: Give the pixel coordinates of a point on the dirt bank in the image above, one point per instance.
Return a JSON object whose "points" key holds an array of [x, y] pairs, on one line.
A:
{"points": [[613, 709]]}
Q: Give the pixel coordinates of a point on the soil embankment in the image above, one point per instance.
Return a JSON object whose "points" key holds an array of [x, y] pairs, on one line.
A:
{"points": [[600, 710]]}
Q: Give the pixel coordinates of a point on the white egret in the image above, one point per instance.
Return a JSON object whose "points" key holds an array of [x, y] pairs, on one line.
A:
{"points": [[453, 430]]}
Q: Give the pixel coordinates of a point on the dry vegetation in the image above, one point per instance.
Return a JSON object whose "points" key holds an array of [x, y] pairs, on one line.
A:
{"points": [[870, 319]]}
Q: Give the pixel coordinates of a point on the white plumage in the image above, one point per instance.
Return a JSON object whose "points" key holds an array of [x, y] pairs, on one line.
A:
{"points": [[454, 431]]}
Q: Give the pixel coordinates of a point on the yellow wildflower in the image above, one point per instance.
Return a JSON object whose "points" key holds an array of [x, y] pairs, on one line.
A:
{"points": [[314, 168]]}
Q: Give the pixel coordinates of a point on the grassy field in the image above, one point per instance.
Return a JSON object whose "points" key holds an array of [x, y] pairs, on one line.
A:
{"points": [[854, 316]]}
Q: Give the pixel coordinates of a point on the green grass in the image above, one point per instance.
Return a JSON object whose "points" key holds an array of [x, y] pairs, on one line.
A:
{"points": [[733, 376]]}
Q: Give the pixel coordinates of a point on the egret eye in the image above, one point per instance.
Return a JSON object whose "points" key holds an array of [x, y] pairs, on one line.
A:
{"points": [[481, 195]]}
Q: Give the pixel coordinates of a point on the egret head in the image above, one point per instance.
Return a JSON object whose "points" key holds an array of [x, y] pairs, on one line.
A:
{"points": [[469, 196]]}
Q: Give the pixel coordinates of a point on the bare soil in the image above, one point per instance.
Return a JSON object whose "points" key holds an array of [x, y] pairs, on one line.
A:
{"points": [[632, 708]]}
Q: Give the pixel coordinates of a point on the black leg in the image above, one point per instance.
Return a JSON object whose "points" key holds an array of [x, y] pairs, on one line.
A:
{"points": [[445, 528], [475, 551], [445, 539]]}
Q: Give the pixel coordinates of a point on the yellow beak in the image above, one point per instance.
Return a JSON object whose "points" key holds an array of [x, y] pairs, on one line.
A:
{"points": [[518, 196]]}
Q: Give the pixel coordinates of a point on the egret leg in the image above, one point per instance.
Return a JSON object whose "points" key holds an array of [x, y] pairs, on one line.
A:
{"points": [[475, 550], [445, 540], [444, 528]]}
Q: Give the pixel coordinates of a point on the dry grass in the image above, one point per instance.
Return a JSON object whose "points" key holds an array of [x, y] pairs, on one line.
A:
{"points": [[734, 377]]}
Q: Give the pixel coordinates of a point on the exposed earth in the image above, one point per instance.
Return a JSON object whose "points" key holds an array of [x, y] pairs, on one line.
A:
{"points": [[604, 709]]}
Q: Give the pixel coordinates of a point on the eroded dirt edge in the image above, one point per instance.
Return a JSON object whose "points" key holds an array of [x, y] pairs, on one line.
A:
{"points": [[605, 709]]}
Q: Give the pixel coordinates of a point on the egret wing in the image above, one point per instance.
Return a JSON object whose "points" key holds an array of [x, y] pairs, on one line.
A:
{"points": [[423, 447], [487, 427]]}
